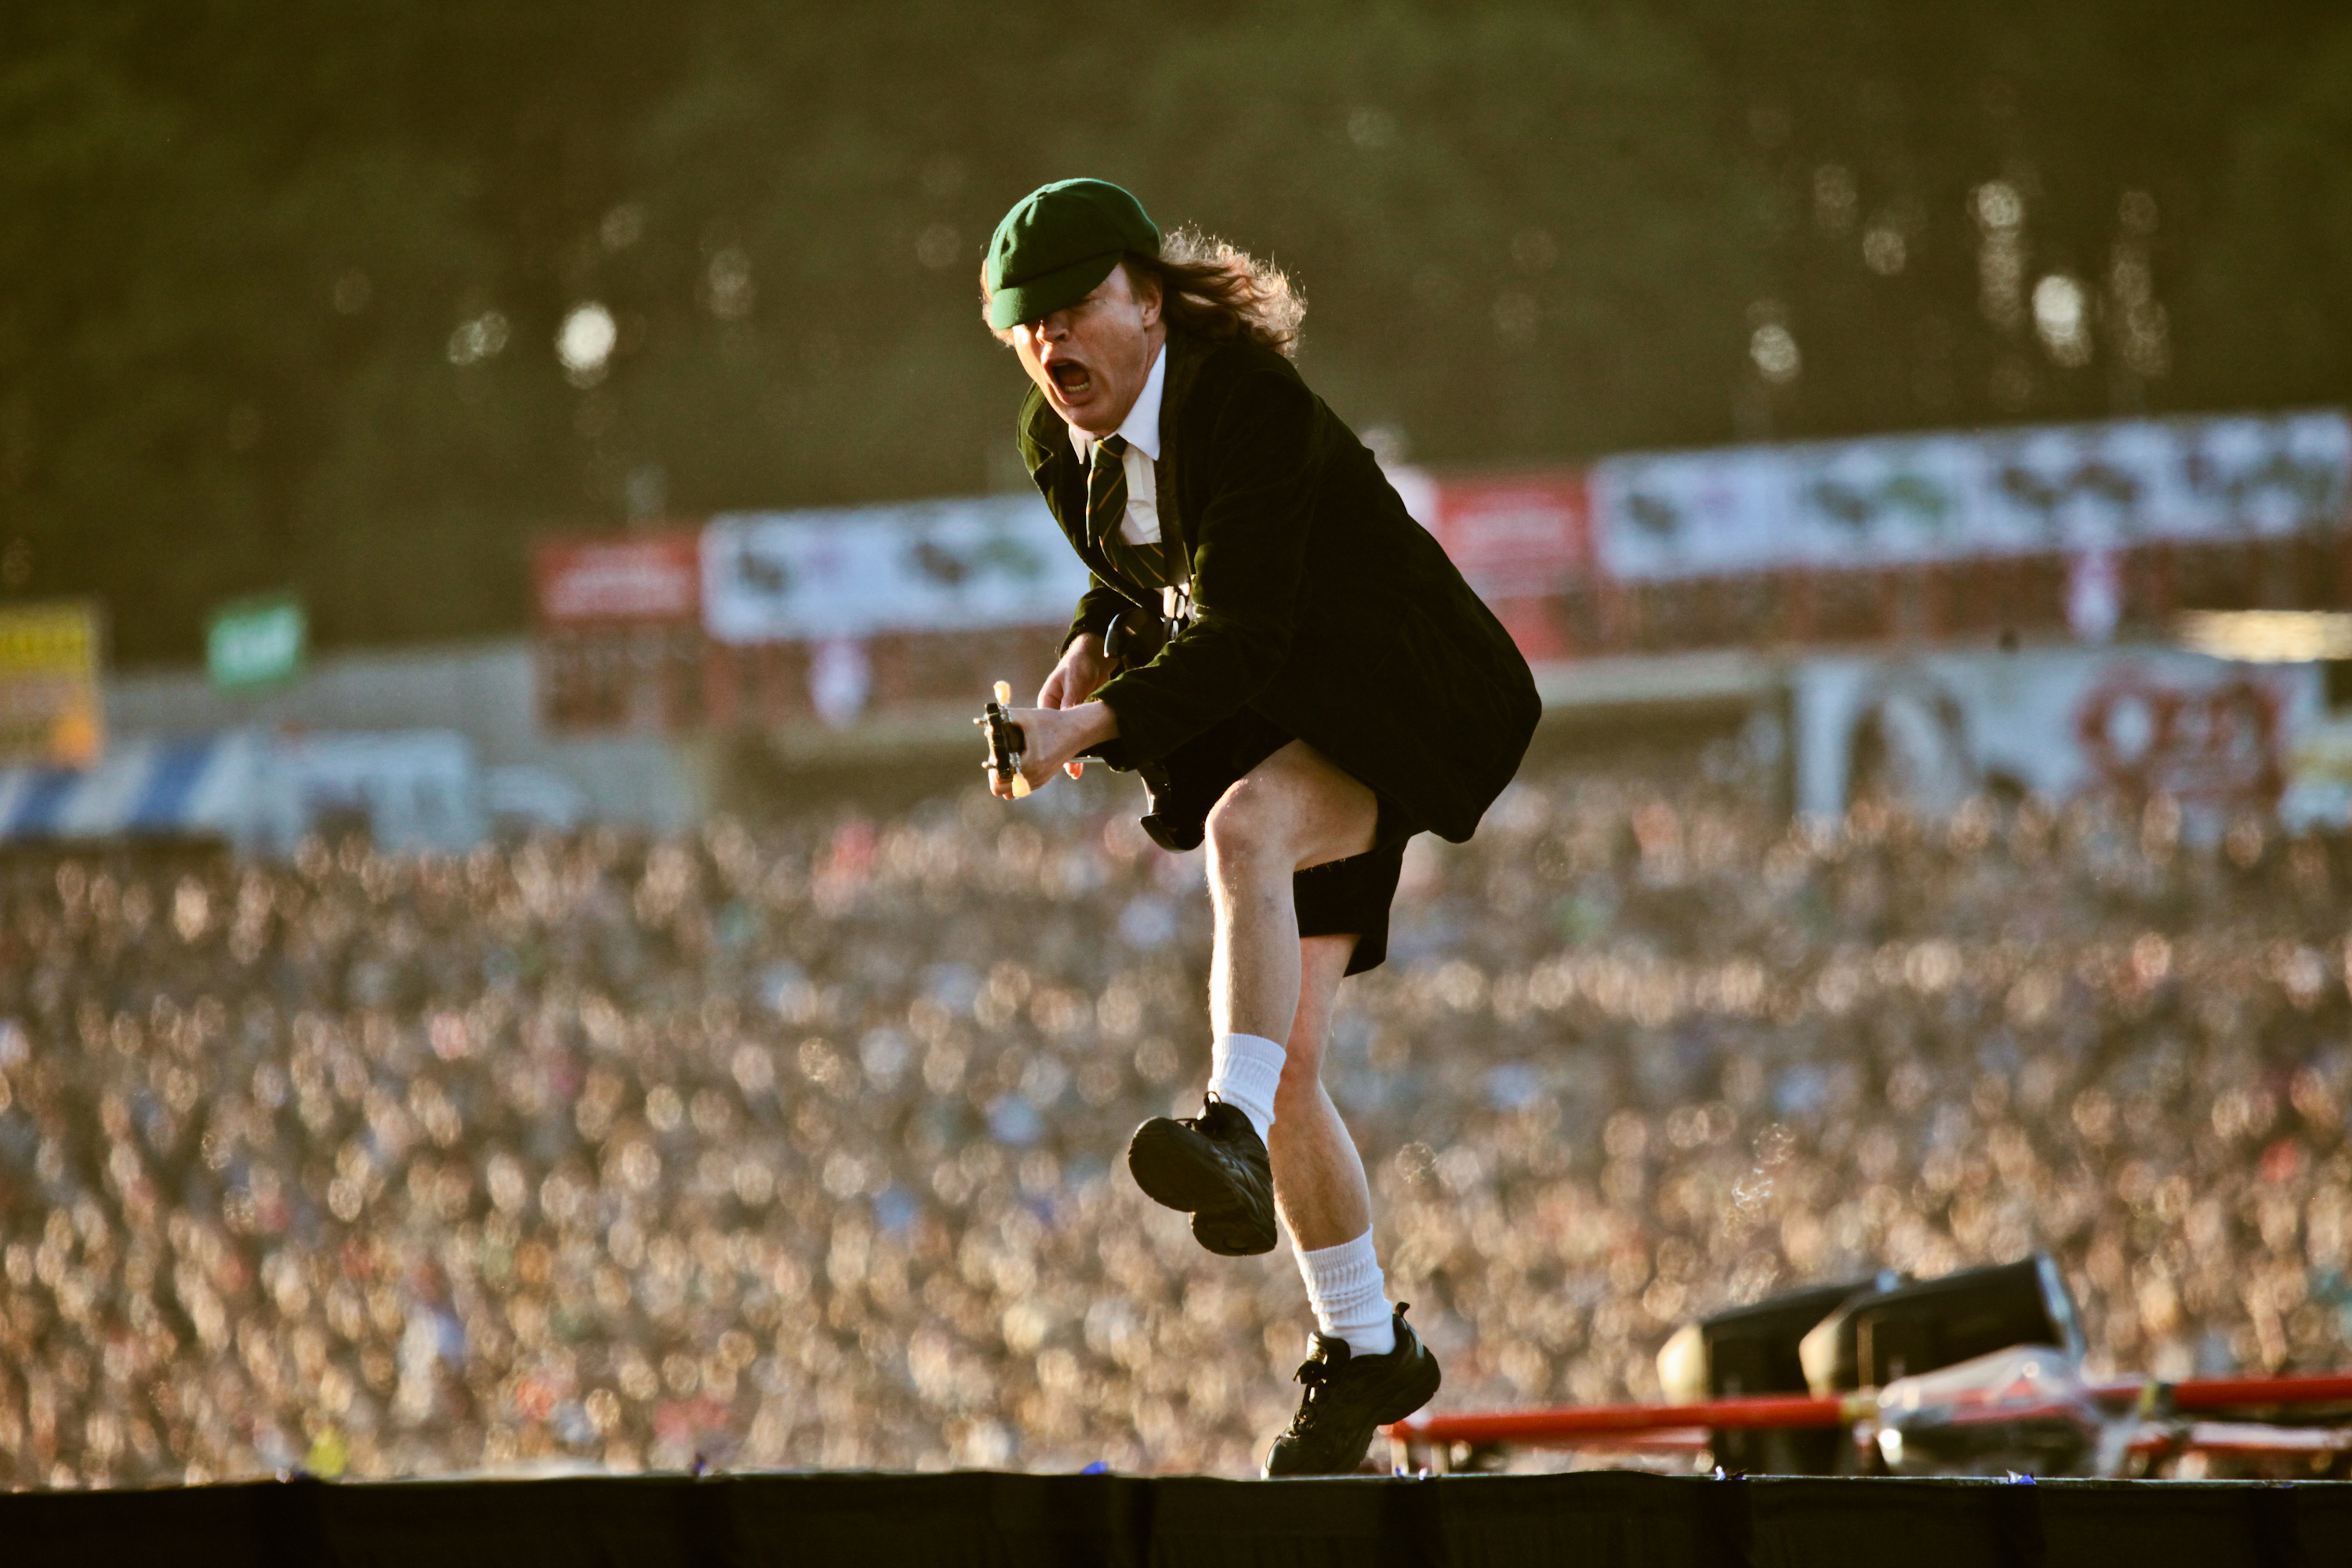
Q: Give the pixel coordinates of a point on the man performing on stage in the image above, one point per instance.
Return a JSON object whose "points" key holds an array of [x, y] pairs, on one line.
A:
{"points": [[1300, 675]]}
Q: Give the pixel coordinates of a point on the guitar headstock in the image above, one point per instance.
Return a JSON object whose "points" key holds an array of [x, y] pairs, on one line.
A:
{"points": [[1005, 741]]}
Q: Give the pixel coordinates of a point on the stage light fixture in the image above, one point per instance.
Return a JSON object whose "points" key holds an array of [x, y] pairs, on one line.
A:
{"points": [[1873, 1339], [1754, 1350]]}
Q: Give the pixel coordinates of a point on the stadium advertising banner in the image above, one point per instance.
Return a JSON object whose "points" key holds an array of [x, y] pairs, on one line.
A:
{"points": [[631, 579], [1522, 534], [620, 646], [777, 618], [2220, 737], [258, 641], [957, 565], [52, 707], [1897, 501], [1519, 539]]}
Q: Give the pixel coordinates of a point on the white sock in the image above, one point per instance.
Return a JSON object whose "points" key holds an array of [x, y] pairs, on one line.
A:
{"points": [[1242, 1072], [1349, 1298]]}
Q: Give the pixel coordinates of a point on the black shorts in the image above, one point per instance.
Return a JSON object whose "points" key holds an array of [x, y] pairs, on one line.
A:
{"points": [[1339, 897]]}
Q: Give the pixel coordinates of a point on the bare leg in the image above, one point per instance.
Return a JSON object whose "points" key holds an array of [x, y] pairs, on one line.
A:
{"points": [[1318, 1177], [1294, 810]]}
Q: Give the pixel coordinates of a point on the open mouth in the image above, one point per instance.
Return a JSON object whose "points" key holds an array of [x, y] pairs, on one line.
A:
{"points": [[1074, 380]]}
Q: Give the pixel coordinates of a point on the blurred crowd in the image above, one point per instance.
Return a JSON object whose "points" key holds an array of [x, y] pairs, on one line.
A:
{"points": [[801, 1146]]}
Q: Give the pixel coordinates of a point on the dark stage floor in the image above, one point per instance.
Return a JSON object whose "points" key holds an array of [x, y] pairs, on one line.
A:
{"points": [[1592, 1521]]}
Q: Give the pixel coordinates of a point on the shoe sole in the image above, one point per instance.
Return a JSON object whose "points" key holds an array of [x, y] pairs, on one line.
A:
{"points": [[1173, 1174], [1233, 1234]]}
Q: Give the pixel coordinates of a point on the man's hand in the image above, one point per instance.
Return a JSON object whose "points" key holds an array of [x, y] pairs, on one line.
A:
{"points": [[1075, 680], [1053, 737]]}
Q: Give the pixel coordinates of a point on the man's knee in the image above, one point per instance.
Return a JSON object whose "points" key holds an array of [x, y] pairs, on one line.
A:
{"points": [[1256, 819]]}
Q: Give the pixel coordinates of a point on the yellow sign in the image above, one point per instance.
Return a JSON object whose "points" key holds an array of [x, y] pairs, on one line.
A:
{"points": [[52, 707]]}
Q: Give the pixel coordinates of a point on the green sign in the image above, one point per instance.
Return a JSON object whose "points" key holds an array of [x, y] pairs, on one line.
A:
{"points": [[257, 641]]}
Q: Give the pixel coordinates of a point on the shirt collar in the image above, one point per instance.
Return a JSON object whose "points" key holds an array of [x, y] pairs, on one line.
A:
{"points": [[1141, 427]]}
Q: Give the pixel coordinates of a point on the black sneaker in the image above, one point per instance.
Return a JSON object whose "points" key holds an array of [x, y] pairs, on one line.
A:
{"points": [[1348, 1399], [1213, 1167]]}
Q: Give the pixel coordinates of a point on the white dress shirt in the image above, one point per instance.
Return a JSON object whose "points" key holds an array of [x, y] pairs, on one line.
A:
{"points": [[1141, 431]]}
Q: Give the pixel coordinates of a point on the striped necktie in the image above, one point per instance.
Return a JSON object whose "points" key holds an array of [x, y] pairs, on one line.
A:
{"points": [[1145, 565]]}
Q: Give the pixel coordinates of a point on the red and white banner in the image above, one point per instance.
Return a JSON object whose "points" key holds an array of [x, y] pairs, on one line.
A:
{"points": [[1520, 539], [620, 580], [1516, 534], [2041, 531]]}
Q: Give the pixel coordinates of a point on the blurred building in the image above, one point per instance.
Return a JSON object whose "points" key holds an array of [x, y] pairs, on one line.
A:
{"points": [[482, 699], [1933, 616]]}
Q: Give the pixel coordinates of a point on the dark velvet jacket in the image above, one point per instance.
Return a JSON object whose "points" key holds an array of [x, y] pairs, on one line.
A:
{"points": [[1318, 601]]}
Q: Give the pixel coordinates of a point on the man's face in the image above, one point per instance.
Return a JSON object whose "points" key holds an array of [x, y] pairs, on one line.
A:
{"points": [[1091, 360]]}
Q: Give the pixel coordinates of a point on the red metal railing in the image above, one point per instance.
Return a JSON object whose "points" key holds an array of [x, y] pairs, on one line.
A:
{"points": [[2245, 1393], [1601, 1425]]}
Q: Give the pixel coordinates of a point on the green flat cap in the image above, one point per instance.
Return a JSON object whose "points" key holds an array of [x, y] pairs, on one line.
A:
{"points": [[1057, 244]]}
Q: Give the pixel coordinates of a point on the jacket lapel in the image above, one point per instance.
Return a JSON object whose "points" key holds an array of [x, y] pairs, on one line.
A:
{"points": [[1184, 355], [1063, 482], [1055, 469]]}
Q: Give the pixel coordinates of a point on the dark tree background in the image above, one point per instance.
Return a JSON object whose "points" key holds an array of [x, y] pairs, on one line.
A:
{"points": [[281, 286]]}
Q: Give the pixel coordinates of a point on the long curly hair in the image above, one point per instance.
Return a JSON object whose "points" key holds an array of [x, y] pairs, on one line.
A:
{"points": [[1215, 289]]}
